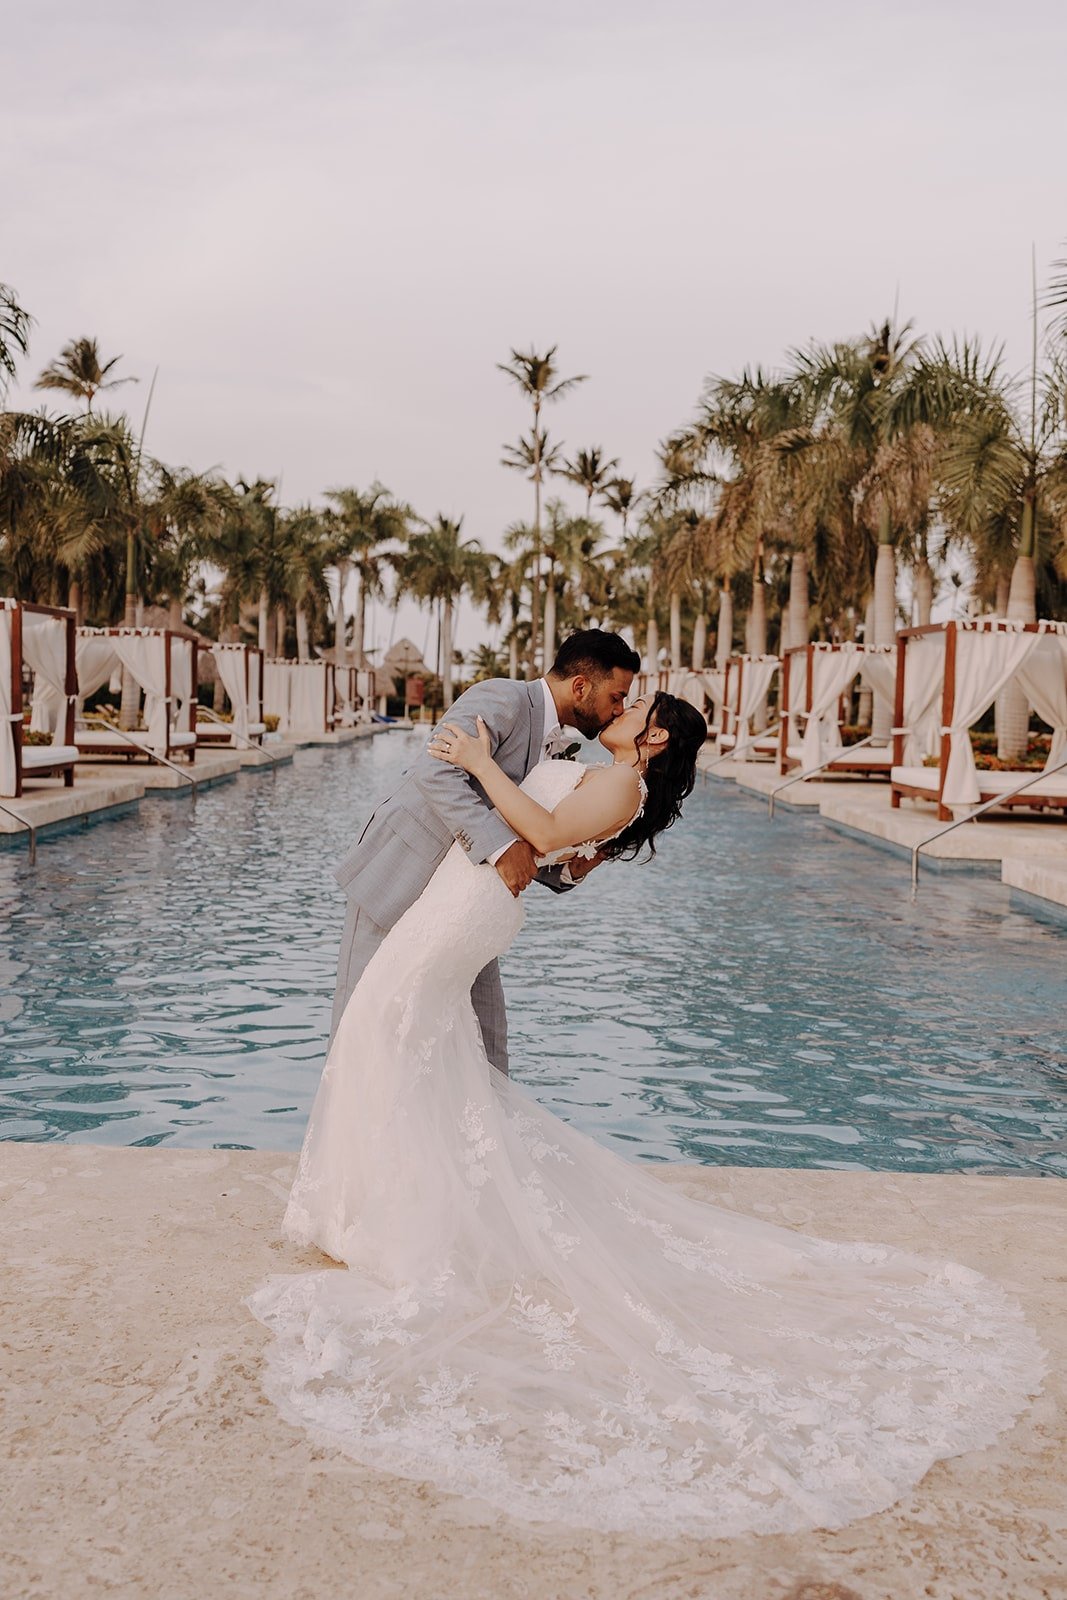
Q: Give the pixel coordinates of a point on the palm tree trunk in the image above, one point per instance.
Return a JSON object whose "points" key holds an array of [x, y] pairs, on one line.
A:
{"points": [[550, 617], [360, 622], [885, 617], [513, 655], [280, 628], [446, 652], [865, 699], [264, 613], [535, 588], [700, 639], [724, 631], [797, 628], [303, 649], [757, 636], [344, 567], [676, 632], [1013, 708], [652, 628], [74, 601], [924, 587], [130, 701], [174, 616]]}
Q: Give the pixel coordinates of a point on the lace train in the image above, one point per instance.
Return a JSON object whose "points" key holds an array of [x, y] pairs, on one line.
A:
{"points": [[529, 1319]]}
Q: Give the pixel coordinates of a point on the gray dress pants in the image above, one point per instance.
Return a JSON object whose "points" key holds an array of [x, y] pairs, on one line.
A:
{"points": [[360, 940]]}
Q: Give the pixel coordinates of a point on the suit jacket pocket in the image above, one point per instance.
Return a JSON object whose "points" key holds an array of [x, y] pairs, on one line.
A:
{"points": [[425, 842]]}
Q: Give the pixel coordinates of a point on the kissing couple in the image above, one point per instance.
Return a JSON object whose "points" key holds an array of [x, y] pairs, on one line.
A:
{"points": [[524, 1317]]}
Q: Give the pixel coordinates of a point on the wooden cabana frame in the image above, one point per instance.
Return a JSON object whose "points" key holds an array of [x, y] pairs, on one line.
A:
{"points": [[220, 734], [867, 762], [131, 743], [733, 688], [1033, 799], [329, 719], [39, 761]]}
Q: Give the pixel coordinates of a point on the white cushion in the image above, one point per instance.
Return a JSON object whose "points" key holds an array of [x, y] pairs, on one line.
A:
{"points": [[48, 755]]}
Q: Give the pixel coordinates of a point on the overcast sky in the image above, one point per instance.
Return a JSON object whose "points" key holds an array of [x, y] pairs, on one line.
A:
{"points": [[325, 222]]}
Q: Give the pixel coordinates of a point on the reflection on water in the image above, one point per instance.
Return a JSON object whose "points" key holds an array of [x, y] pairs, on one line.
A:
{"points": [[762, 994]]}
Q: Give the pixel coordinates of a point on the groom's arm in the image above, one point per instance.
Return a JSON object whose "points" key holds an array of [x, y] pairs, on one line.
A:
{"points": [[453, 795]]}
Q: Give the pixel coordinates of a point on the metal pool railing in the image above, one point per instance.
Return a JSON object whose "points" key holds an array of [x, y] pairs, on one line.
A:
{"points": [[972, 816], [31, 830]]}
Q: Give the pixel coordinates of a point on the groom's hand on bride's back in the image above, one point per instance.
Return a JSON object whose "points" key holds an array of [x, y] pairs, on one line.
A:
{"points": [[517, 866]]}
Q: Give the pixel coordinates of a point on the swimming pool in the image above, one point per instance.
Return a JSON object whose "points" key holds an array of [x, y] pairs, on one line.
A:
{"points": [[762, 994]]}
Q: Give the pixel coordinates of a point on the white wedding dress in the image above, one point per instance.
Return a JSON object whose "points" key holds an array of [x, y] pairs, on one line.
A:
{"points": [[531, 1320]]}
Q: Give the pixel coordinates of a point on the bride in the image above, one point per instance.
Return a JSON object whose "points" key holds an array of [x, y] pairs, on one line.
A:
{"points": [[527, 1318]]}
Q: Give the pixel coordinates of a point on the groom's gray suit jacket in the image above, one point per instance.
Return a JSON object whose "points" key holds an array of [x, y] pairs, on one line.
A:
{"points": [[410, 832]]}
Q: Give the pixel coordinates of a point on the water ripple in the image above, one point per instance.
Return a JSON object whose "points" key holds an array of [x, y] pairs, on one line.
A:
{"points": [[759, 994]]}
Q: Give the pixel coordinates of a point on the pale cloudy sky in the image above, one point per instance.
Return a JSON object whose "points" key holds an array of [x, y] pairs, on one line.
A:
{"points": [[325, 222]]}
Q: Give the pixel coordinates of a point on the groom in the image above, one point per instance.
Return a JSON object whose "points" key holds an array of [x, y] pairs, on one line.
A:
{"points": [[410, 833]]}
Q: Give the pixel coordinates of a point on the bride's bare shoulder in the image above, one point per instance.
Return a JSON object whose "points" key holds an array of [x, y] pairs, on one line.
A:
{"points": [[623, 779]]}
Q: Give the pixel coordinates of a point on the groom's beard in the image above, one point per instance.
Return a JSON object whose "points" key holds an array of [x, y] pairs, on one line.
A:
{"points": [[587, 724]]}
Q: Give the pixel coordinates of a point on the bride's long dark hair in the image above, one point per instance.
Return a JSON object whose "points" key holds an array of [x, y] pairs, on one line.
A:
{"points": [[670, 774]]}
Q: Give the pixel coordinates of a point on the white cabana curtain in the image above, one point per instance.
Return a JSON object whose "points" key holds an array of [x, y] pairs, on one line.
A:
{"points": [[276, 687], [986, 660], [144, 655], [1043, 679], [831, 673], [924, 678], [95, 659], [255, 688], [878, 670], [307, 696], [7, 716], [182, 687], [755, 682], [798, 690], [44, 649], [690, 686], [230, 661], [343, 682]]}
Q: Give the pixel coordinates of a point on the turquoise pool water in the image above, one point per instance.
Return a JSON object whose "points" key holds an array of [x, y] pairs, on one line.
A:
{"points": [[763, 994]]}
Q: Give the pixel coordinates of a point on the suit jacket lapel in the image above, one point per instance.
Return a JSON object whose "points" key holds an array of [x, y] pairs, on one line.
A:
{"points": [[537, 724]]}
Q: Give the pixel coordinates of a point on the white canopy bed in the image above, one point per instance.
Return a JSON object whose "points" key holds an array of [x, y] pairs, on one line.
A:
{"points": [[948, 675], [40, 638]]}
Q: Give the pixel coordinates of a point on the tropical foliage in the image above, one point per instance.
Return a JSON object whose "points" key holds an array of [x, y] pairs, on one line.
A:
{"points": [[830, 496]]}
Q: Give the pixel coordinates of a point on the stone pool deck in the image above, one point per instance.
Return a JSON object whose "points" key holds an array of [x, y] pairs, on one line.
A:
{"points": [[108, 788], [1031, 848], [142, 1459]]}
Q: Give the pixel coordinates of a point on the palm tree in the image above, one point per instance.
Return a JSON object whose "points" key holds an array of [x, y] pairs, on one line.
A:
{"points": [[569, 544], [537, 376], [308, 546], [80, 372], [590, 472], [620, 496], [14, 334], [438, 567], [365, 522], [485, 662], [1003, 488], [182, 512]]}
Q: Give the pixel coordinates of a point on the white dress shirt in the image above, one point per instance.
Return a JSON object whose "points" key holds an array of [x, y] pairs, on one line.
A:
{"points": [[551, 729]]}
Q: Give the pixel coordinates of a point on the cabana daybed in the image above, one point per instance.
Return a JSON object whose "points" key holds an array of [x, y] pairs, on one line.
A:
{"points": [[948, 675], [164, 666], [815, 679], [240, 669], [746, 682], [302, 695], [42, 639]]}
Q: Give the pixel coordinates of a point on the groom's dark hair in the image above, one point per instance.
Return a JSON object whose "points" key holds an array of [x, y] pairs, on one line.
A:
{"points": [[594, 653]]}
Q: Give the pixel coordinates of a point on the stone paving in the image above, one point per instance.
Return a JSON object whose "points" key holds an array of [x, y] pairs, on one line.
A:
{"points": [[142, 1459]]}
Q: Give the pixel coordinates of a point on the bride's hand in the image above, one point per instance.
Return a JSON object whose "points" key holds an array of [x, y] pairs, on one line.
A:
{"points": [[461, 749]]}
